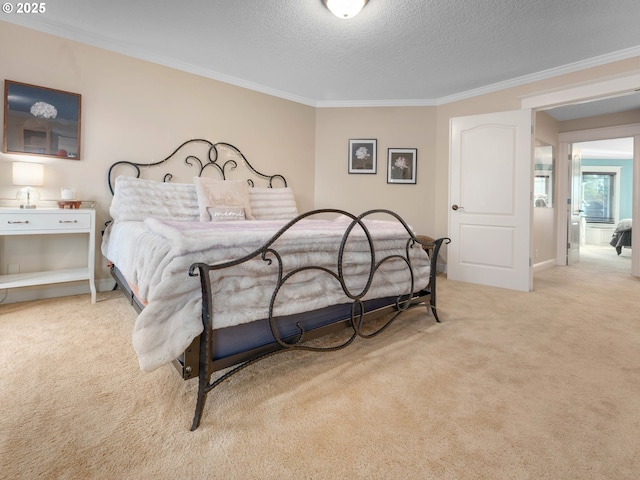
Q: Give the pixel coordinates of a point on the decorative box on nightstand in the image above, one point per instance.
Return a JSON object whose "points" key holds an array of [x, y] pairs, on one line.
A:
{"points": [[51, 221]]}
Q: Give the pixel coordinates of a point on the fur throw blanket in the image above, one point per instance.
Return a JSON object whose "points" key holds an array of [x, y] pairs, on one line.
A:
{"points": [[242, 293]]}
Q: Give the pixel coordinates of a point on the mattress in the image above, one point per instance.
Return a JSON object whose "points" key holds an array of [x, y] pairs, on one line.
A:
{"points": [[154, 256]]}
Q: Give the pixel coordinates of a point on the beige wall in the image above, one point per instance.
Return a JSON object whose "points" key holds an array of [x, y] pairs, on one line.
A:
{"points": [[425, 205], [136, 110], [408, 127], [545, 219]]}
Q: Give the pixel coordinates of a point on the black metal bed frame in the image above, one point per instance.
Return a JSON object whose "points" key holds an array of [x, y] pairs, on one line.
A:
{"points": [[198, 359], [209, 159], [207, 366]]}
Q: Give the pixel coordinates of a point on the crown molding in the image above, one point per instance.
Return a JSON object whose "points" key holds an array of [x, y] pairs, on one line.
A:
{"points": [[125, 49], [375, 103], [545, 74], [39, 24]]}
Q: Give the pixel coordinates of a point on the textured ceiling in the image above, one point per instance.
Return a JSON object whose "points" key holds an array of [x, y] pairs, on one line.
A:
{"points": [[395, 52]]}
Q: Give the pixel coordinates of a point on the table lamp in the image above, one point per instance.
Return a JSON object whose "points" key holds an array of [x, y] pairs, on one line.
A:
{"points": [[30, 175]]}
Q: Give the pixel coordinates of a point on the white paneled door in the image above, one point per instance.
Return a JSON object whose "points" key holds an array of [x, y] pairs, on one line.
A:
{"points": [[490, 200]]}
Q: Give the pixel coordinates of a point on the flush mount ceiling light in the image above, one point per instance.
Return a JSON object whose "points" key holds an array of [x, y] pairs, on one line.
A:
{"points": [[345, 8]]}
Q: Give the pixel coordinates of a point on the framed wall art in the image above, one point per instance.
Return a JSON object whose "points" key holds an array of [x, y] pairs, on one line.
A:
{"points": [[41, 121], [363, 155], [401, 165]]}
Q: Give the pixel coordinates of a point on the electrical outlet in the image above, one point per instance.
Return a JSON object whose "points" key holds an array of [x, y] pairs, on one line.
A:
{"points": [[13, 268]]}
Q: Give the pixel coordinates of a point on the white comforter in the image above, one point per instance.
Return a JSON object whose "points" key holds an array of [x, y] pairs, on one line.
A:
{"points": [[155, 256]]}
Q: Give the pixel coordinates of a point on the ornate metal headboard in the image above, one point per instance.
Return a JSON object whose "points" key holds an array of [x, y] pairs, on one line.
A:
{"points": [[221, 158]]}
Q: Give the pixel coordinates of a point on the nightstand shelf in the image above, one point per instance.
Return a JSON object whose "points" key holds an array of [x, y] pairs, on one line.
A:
{"points": [[42, 278], [46, 222]]}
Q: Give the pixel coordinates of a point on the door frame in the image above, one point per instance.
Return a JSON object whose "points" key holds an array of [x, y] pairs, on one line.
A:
{"points": [[606, 88], [623, 131]]}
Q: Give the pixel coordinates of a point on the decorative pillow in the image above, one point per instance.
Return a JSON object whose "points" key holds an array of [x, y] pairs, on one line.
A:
{"points": [[221, 193], [135, 199], [225, 214], [272, 203]]}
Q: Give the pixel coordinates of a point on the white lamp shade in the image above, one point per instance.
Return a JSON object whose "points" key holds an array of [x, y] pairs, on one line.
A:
{"points": [[345, 8], [31, 174]]}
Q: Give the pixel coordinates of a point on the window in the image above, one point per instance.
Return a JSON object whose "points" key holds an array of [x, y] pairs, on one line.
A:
{"points": [[600, 194]]}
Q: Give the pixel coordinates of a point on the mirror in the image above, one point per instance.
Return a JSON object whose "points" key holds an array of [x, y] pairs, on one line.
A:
{"points": [[543, 177], [41, 121]]}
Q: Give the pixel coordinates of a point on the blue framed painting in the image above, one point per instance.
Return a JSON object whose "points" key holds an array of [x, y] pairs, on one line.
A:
{"points": [[41, 121]]}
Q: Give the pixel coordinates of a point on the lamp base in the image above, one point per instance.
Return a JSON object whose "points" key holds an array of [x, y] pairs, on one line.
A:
{"points": [[28, 197]]}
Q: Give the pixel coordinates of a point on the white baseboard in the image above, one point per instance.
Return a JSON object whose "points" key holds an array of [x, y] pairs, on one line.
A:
{"points": [[537, 267]]}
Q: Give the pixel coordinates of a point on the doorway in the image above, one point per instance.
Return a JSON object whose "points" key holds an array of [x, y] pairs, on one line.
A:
{"points": [[611, 88], [604, 200], [568, 139]]}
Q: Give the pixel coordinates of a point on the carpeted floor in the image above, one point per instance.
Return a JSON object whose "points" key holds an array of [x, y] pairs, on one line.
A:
{"points": [[540, 385]]}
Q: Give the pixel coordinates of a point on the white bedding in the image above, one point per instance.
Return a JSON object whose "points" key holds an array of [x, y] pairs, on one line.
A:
{"points": [[155, 256]]}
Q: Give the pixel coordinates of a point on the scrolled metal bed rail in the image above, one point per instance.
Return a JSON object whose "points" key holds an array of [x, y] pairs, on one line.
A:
{"points": [[270, 254]]}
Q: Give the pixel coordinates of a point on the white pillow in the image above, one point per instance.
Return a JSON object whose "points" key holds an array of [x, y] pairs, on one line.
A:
{"points": [[273, 203], [135, 199], [221, 193]]}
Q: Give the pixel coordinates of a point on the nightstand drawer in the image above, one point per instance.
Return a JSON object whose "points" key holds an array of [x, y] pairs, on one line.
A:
{"points": [[33, 221]]}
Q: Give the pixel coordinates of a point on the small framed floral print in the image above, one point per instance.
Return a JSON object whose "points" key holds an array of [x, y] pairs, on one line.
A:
{"points": [[401, 165], [363, 156]]}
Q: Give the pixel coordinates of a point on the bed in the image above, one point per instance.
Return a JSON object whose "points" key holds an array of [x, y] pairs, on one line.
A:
{"points": [[621, 235], [225, 271]]}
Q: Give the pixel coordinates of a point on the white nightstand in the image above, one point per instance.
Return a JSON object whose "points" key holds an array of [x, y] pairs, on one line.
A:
{"points": [[51, 221]]}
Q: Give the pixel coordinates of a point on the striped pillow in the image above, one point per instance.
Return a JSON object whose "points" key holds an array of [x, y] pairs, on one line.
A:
{"points": [[272, 203], [135, 199]]}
